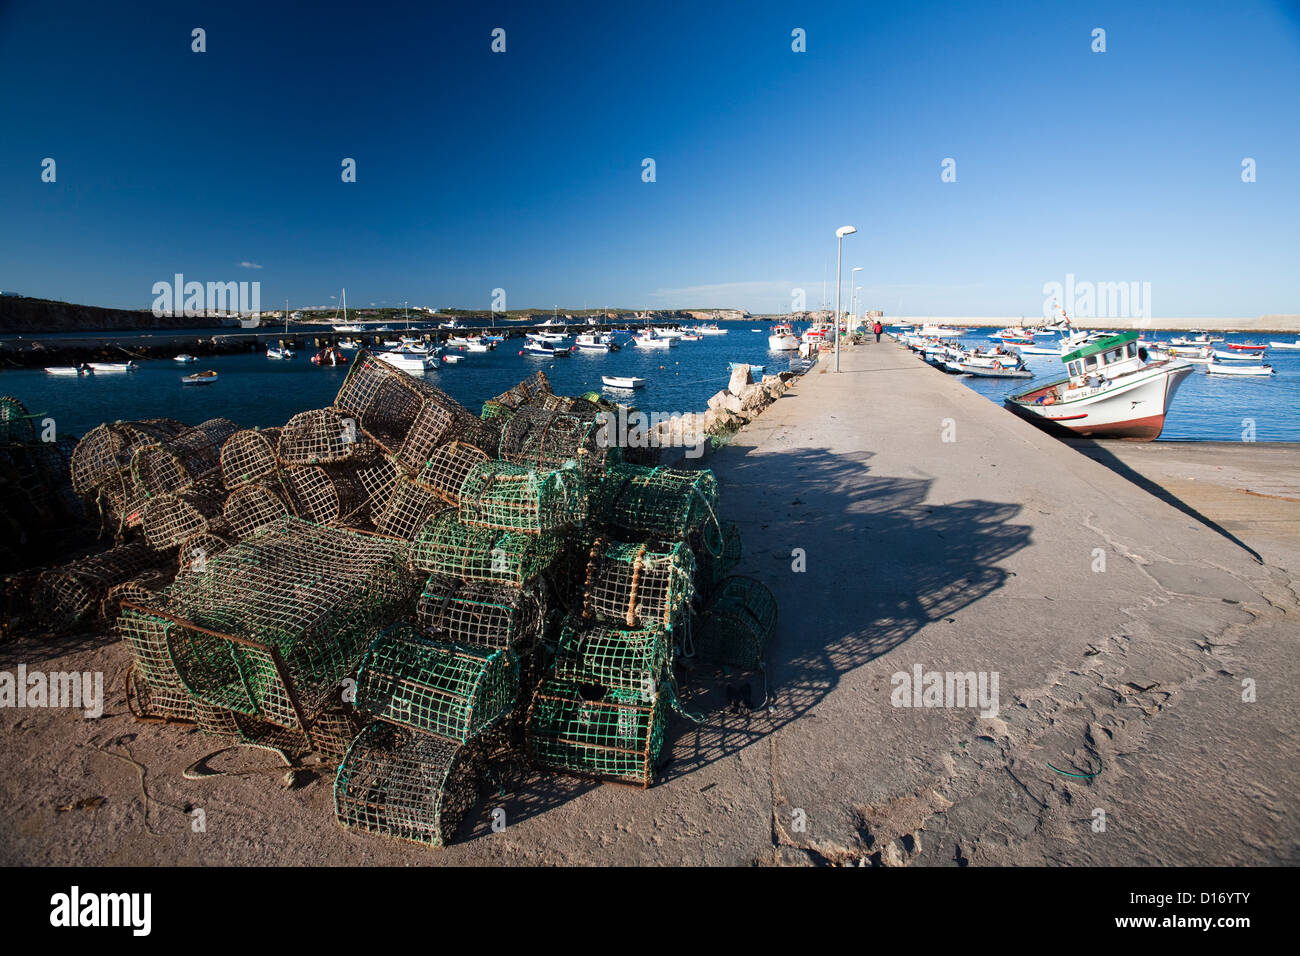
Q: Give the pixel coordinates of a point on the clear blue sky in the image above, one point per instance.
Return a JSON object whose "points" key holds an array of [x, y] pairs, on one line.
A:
{"points": [[523, 170]]}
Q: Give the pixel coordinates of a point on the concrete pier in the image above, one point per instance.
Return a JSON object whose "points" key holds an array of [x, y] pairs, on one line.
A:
{"points": [[1144, 646]]}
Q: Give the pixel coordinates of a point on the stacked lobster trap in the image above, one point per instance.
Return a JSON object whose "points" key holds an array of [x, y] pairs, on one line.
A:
{"points": [[421, 596]]}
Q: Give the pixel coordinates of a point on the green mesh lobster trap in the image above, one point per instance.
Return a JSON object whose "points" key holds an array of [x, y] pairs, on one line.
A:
{"points": [[16, 425], [625, 658], [717, 550], [497, 494], [272, 625], [737, 624], [549, 440], [140, 588], [494, 409], [406, 784], [452, 690], [322, 436], [408, 508], [446, 547], [479, 613], [638, 585], [662, 503], [589, 730], [249, 455]]}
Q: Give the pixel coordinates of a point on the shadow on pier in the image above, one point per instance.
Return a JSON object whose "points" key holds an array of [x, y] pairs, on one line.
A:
{"points": [[882, 563]]}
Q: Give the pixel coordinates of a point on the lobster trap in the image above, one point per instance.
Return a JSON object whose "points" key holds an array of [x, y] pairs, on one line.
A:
{"points": [[662, 503], [178, 462], [451, 690], [403, 783], [253, 506], [717, 550], [171, 517], [140, 588], [16, 426], [478, 613], [549, 440], [273, 624], [194, 551], [639, 585], [106, 450], [497, 494], [430, 428], [68, 595], [737, 624], [625, 658], [323, 496], [377, 480], [446, 547], [387, 402], [407, 509], [531, 390], [447, 468], [590, 730], [249, 455], [322, 436]]}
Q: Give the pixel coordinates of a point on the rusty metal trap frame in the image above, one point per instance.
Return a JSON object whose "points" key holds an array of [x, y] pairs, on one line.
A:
{"points": [[402, 783], [626, 658], [548, 440], [590, 730], [507, 497], [638, 585], [273, 624], [737, 624], [324, 494], [70, 594], [531, 390], [478, 613], [387, 402], [178, 462], [253, 506], [194, 551], [249, 455], [447, 467], [663, 503], [106, 450], [322, 436], [446, 547], [171, 517], [452, 690]]}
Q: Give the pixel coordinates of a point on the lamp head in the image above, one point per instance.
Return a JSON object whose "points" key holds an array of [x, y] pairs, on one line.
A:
{"points": [[843, 231]]}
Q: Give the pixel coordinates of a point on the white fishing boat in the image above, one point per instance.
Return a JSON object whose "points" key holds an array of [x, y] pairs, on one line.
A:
{"points": [[1112, 391], [347, 328], [535, 347], [1038, 350], [408, 360], [478, 346], [782, 338], [994, 371], [1196, 337], [1285, 346], [667, 333], [711, 329], [349, 345], [588, 342], [113, 366], [622, 381], [185, 359], [452, 324], [652, 342], [1221, 356], [943, 332], [547, 338], [68, 370], [1214, 368], [200, 378], [452, 359], [278, 353], [456, 341]]}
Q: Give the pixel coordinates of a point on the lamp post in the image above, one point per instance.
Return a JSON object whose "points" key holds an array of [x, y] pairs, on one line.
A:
{"points": [[853, 299], [855, 306], [840, 233]]}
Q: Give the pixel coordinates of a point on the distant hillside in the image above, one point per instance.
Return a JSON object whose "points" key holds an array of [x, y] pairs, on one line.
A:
{"points": [[21, 314]]}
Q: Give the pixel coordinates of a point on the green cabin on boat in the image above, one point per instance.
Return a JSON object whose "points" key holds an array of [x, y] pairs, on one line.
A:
{"points": [[1100, 355]]}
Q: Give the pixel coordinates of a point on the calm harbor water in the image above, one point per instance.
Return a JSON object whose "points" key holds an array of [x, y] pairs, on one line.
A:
{"points": [[255, 390]]}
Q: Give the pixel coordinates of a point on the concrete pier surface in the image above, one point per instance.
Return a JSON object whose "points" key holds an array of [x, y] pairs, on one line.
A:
{"points": [[1141, 647]]}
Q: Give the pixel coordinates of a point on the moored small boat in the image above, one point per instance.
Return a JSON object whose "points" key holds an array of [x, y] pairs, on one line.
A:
{"points": [[200, 378], [622, 381], [278, 353], [1214, 368], [185, 359], [330, 355], [1293, 346], [653, 342], [68, 370], [408, 360], [782, 338], [113, 366]]}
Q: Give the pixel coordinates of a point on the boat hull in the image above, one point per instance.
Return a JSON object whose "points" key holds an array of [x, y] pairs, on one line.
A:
{"points": [[1134, 412]]}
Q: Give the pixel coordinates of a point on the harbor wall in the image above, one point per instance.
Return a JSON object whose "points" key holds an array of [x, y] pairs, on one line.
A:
{"points": [[1286, 324]]}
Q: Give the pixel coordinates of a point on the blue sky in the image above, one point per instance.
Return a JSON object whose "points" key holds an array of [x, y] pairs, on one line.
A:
{"points": [[523, 170]]}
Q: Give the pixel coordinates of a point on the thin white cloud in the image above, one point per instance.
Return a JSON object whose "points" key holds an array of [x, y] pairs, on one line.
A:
{"points": [[249, 265]]}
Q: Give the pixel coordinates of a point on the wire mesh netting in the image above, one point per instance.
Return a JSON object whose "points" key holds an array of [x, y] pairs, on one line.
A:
{"points": [[323, 495], [478, 613], [717, 550], [68, 595], [532, 389], [494, 409], [178, 462], [737, 624], [378, 479], [253, 506], [387, 402], [321, 436], [274, 623], [163, 702], [406, 784], [408, 508], [140, 588], [452, 690], [592, 730], [626, 658], [431, 427], [249, 455], [171, 517], [639, 585], [447, 467], [104, 451], [16, 426], [194, 551], [660, 502], [445, 546], [548, 440], [497, 494]]}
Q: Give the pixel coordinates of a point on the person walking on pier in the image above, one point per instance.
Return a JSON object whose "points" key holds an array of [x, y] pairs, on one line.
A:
{"points": [[877, 328]]}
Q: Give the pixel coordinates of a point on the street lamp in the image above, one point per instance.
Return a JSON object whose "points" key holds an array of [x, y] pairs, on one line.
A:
{"points": [[853, 299], [840, 233]]}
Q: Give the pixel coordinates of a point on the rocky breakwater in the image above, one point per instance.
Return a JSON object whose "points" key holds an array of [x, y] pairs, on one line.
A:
{"points": [[729, 410]]}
